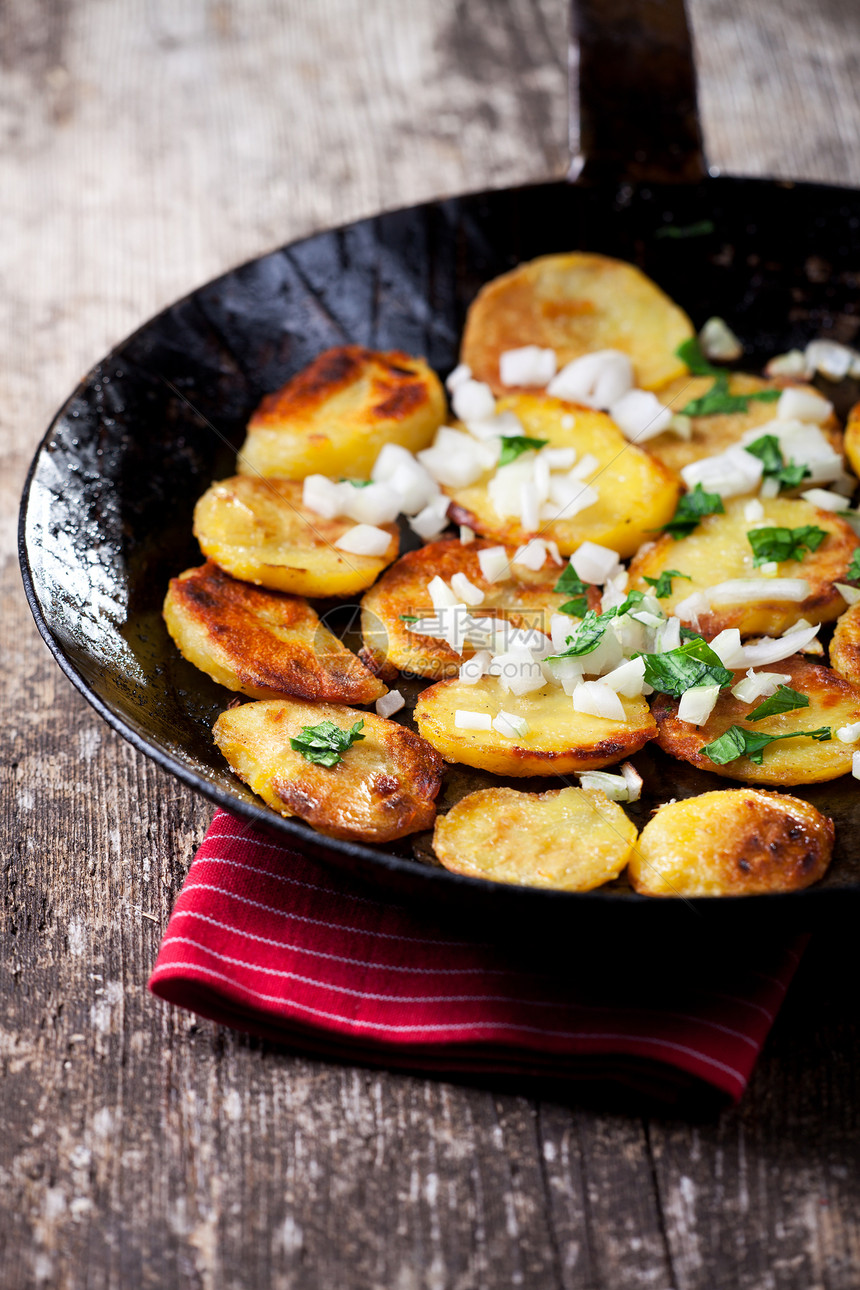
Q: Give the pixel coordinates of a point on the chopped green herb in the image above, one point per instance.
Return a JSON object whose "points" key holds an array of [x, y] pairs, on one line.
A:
{"points": [[701, 228], [768, 451], [778, 544], [577, 608], [324, 744], [590, 631], [514, 445], [663, 585], [738, 742], [784, 700], [853, 574], [693, 663], [356, 483], [718, 399], [570, 584], [693, 507], [687, 634], [690, 352], [409, 618]]}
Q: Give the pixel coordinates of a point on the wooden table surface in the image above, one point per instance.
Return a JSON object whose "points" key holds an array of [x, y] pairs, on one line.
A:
{"points": [[147, 145]]}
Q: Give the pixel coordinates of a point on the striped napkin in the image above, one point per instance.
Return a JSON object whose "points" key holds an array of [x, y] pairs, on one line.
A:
{"points": [[265, 940]]}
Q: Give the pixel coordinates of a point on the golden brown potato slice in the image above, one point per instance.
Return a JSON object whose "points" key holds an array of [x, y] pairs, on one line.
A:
{"points": [[384, 787], [573, 839], [845, 646], [526, 599], [852, 438], [559, 739], [258, 530], [833, 702], [635, 492], [575, 304], [262, 643], [735, 842], [719, 551], [711, 435], [333, 417]]}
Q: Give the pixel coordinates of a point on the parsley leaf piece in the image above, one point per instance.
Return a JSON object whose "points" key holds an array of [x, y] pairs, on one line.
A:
{"points": [[409, 618], [663, 585], [514, 445], [693, 507], [853, 574], [570, 584], [687, 634], [693, 663], [739, 742], [718, 400], [356, 483], [590, 631], [578, 607], [690, 352], [324, 744], [768, 451], [783, 700], [701, 228], [780, 544]]}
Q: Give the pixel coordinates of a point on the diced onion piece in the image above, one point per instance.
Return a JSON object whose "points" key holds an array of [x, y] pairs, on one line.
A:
{"points": [[430, 522], [849, 594], [767, 651], [465, 590], [615, 787], [413, 486], [793, 363], [829, 358], [504, 487], [719, 342], [528, 365], [597, 379], [753, 511], [728, 648], [697, 704], [510, 725], [634, 781], [390, 703], [518, 671], [769, 487], [530, 504], [323, 496], [825, 500], [532, 555], [759, 685], [494, 563], [855, 765], [640, 415], [729, 473], [627, 679], [561, 626], [364, 539], [461, 373], [577, 498], [681, 426], [441, 595], [473, 400], [467, 535], [558, 458], [743, 591], [595, 563], [475, 667], [803, 405], [566, 672], [456, 459], [688, 610], [466, 720], [585, 467], [849, 734], [668, 636], [597, 699], [375, 504], [769, 569]]}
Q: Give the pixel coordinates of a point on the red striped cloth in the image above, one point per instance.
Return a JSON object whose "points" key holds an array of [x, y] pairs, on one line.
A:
{"points": [[268, 941]]}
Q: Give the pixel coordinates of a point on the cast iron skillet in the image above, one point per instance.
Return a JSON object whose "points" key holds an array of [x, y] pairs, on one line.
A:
{"points": [[107, 508]]}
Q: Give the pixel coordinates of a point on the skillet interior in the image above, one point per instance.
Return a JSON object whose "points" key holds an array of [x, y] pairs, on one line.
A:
{"points": [[106, 515]]}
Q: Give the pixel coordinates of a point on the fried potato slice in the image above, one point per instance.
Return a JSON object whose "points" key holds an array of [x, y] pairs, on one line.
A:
{"points": [[384, 788], [833, 702], [711, 435], [852, 438], [636, 494], [575, 304], [262, 643], [718, 550], [258, 530], [559, 739], [734, 842], [525, 598], [572, 839], [845, 646], [334, 416]]}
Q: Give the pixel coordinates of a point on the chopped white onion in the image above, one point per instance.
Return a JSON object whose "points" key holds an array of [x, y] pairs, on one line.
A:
{"points": [[595, 563], [475, 667], [681, 426], [432, 520], [825, 500], [634, 781], [849, 594], [364, 539], [770, 487], [561, 626], [376, 504], [849, 734], [615, 787], [461, 373], [766, 651], [566, 672], [465, 590], [640, 415], [558, 458], [510, 725], [628, 678], [668, 636], [494, 562], [829, 358], [697, 704], [323, 496], [504, 487], [769, 569], [729, 473], [473, 400], [597, 379], [441, 595], [759, 685], [753, 511], [584, 467], [569, 497], [390, 703], [744, 591], [530, 504], [456, 459], [597, 699], [528, 365], [464, 719], [719, 342], [855, 765], [803, 405], [728, 648], [689, 609], [532, 555], [803, 443], [467, 535], [518, 671], [792, 364]]}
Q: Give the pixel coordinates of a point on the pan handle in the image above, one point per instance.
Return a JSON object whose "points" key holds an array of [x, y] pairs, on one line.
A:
{"points": [[633, 111]]}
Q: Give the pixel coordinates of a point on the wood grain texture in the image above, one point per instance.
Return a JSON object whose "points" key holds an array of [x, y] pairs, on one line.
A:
{"points": [[146, 147]]}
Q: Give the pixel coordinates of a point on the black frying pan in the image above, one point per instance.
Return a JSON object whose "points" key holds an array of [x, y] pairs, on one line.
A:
{"points": [[107, 508]]}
